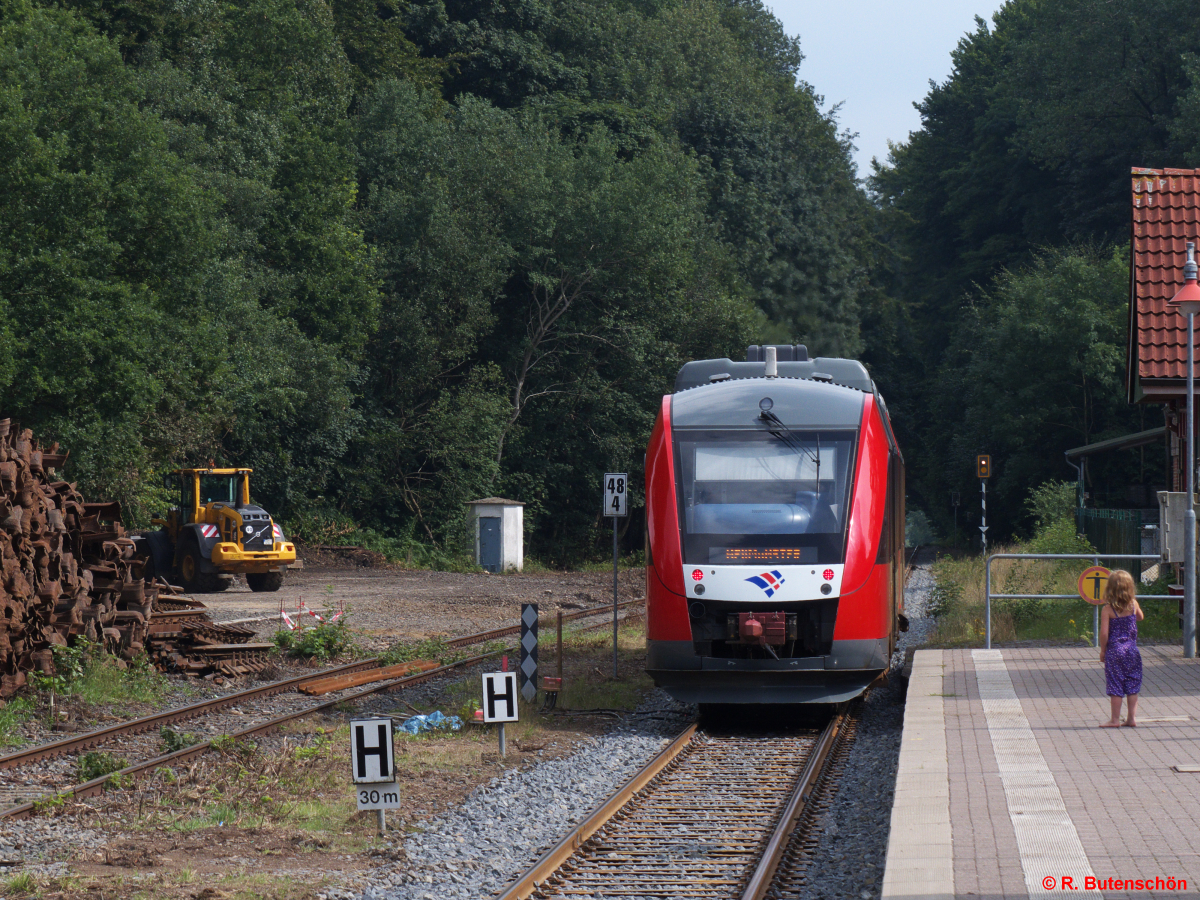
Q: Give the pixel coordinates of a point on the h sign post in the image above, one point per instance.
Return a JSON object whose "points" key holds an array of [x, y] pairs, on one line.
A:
{"points": [[500, 700], [616, 504], [372, 760]]}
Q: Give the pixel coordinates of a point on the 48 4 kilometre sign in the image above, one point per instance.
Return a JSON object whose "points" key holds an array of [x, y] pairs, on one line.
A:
{"points": [[616, 495]]}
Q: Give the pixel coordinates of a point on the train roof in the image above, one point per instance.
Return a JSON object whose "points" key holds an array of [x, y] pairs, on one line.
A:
{"points": [[797, 402], [848, 373]]}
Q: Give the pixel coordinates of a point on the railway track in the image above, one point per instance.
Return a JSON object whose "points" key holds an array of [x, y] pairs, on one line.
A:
{"points": [[712, 816], [234, 702]]}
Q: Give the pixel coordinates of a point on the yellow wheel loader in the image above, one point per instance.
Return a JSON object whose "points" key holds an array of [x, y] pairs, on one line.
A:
{"points": [[216, 532]]}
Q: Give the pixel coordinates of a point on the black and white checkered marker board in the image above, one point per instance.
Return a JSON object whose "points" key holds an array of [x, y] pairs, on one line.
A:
{"points": [[372, 754], [500, 697], [529, 651], [616, 494]]}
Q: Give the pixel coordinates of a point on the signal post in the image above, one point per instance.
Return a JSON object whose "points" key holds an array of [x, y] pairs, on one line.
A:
{"points": [[983, 470]]}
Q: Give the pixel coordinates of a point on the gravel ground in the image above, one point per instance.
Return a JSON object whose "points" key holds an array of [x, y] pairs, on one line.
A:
{"points": [[390, 604], [492, 838], [852, 847]]}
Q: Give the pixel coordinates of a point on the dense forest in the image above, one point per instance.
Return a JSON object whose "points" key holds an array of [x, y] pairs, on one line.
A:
{"points": [[1006, 217], [400, 255]]}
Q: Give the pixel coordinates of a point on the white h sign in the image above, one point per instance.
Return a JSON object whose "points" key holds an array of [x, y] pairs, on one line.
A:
{"points": [[616, 497], [500, 697], [371, 752]]}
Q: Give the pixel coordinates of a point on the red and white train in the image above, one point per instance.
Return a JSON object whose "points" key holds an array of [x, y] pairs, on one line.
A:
{"points": [[775, 531]]}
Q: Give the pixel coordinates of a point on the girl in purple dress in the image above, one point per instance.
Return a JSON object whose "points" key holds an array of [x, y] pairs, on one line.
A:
{"points": [[1118, 647]]}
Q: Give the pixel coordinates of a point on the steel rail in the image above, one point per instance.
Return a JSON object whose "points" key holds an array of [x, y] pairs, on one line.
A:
{"points": [[179, 714], [97, 785], [505, 631], [192, 711], [553, 859], [562, 861], [764, 874]]}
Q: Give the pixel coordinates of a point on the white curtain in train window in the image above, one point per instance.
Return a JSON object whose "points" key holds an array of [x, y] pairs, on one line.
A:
{"points": [[763, 462]]}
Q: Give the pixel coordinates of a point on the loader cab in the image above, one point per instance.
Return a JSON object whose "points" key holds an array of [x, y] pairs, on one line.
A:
{"points": [[200, 488]]}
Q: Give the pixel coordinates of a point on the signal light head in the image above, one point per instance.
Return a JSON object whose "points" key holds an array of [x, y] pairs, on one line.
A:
{"points": [[983, 466]]}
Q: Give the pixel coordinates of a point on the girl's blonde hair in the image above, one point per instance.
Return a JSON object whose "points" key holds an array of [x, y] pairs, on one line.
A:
{"points": [[1120, 592]]}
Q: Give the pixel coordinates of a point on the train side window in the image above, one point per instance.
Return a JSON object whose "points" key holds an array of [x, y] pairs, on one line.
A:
{"points": [[887, 538]]}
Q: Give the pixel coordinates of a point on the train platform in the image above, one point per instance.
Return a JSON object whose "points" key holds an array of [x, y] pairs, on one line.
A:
{"points": [[1007, 787]]}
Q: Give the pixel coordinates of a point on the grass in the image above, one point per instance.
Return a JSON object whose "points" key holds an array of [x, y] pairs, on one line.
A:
{"points": [[958, 601], [87, 672], [24, 883], [435, 649], [12, 714]]}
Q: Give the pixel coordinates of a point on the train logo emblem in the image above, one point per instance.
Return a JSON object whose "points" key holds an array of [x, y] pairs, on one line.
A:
{"points": [[770, 582]]}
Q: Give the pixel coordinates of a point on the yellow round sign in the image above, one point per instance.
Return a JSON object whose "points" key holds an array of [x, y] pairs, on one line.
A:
{"points": [[1092, 583]]}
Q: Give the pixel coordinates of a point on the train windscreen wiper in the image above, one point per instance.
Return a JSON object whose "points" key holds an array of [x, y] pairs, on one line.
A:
{"points": [[778, 430]]}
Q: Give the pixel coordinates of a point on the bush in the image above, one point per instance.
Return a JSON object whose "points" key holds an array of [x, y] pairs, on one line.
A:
{"points": [[1051, 503], [178, 740], [1059, 537], [98, 763], [322, 642], [947, 593]]}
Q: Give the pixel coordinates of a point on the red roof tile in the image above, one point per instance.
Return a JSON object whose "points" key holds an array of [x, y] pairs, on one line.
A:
{"points": [[1166, 214]]}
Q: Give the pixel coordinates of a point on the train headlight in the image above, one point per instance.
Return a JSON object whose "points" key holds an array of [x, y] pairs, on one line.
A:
{"points": [[827, 588]]}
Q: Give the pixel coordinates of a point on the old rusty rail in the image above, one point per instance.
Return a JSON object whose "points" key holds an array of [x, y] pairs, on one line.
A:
{"points": [[709, 817], [97, 785], [514, 629], [158, 720]]}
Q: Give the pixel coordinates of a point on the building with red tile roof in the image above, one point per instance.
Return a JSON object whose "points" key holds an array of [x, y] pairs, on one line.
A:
{"points": [[1166, 215]]}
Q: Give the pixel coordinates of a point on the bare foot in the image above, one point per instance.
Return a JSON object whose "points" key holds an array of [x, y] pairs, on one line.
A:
{"points": [[1110, 724], [1131, 724]]}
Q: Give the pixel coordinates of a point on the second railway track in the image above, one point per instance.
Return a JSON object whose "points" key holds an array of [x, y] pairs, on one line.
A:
{"points": [[298, 708], [712, 816]]}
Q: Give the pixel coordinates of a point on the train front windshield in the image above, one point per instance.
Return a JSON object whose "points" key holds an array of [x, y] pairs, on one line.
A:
{"points": [[748, 498]]}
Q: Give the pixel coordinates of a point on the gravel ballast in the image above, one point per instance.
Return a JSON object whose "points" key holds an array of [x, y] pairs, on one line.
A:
{"points": [[505, 826], [848, 861]]}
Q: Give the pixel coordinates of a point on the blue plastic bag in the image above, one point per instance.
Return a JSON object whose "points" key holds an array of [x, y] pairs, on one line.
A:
{"points": [[434, 721]]}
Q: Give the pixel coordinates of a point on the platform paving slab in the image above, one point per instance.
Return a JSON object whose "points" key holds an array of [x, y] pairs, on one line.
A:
{"points": [[1005, 780]]}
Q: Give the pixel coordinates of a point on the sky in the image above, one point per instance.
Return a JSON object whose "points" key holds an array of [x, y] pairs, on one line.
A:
{"points": [[876, 58]]}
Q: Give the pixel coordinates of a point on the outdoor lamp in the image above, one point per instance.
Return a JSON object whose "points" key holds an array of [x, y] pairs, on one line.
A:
{"points": [[1187, 302], [1187, 299]]}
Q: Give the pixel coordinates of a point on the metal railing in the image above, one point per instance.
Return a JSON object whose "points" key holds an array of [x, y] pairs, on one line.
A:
{"points": [[1095, 560]]}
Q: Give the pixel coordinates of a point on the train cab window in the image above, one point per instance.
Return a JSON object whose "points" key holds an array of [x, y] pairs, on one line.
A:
{"points": [[750, 498]]}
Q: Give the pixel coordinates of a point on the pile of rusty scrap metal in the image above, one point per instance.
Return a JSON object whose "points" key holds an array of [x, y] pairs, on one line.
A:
{"points": [[184, 639], [69, 570]]}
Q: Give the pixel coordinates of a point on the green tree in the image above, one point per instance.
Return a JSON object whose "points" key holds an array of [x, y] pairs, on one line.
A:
{"points": [[1037, 366]]}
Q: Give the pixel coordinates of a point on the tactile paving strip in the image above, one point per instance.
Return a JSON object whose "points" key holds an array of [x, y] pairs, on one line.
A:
{"points": [[1047, 840]]}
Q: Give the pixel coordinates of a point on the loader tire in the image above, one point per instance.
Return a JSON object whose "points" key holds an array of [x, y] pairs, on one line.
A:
{"points": [[192, 579], [190, 576], [264, 581]]}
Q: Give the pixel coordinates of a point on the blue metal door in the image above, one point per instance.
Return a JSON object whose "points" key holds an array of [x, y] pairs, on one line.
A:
{"points": [[489, 544]]}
